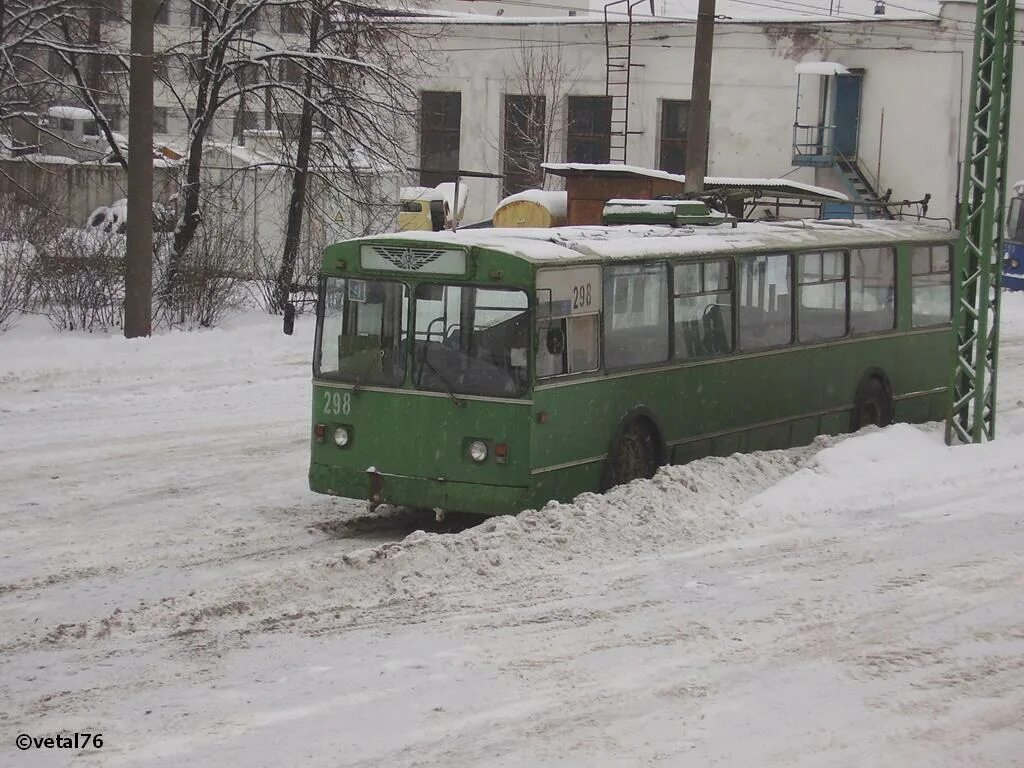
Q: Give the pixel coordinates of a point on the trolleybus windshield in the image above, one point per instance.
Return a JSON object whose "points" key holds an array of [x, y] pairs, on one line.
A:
{"points": [[472, 341], [468, 340], [362, 331]]}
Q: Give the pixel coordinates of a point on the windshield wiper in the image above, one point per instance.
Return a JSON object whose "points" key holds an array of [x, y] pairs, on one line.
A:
{"points": [[365, 373], [444, 382]]}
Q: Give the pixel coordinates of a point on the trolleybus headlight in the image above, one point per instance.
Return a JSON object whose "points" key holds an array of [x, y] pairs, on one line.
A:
{"points": [[341, 437], [1014, 263], [478, 451]]}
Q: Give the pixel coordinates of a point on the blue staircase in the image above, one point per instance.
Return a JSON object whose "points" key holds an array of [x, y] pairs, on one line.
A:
{"points": [[814, 147]]}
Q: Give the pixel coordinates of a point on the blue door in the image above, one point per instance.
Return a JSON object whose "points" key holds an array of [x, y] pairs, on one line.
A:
{"points": [[847, 113]]}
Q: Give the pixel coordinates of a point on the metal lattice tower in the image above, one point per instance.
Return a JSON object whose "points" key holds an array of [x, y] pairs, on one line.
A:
{"points": [[979, 252]]}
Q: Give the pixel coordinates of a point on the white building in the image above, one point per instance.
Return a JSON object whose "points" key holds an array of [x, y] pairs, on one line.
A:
{"points": [[500, 92], [900, 114]]}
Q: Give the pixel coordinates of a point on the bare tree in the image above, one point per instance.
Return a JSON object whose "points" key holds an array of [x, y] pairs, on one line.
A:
{"points": [[536, 87], [353, 106], [347, 83]]}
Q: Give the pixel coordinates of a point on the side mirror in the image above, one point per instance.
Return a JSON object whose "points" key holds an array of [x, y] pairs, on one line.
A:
{"points": [[289, 319], [555, 341]]}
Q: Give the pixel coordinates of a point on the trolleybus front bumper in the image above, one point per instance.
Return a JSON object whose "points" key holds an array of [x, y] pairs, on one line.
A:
{"points": [[402, 490]]}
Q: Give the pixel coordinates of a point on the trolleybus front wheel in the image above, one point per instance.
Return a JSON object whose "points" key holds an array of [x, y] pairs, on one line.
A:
{"points": [[873, 405], [633, 456]]}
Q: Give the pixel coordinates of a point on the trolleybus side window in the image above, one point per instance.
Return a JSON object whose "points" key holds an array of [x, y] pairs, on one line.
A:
{"points": [[1015, 224], [702, 306], [931, 287], [567, 345], [765, 301], [872, 290], [568, 320], [823, 285], [363, 331], [472, 341], [635, 315]]}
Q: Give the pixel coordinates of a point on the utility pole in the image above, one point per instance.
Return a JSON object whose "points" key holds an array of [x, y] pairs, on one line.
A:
{"points": [[977, 267], [138, 268], [699, 124]]}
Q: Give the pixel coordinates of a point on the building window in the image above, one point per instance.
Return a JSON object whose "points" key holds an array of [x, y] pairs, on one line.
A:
{"points": [[55, 64], [440, 121], [163, 12], [590, 128], [524, 143], [635, 315], [822, 309], [288, 123], [702, 295], [250, 16], [931, 286], [247, 74], [112, 113], [872, 290], [291, 71], [197, 14], [160, 119], [113, 10], [292, 21], [675, 116], [765, 301], [160, 67]]}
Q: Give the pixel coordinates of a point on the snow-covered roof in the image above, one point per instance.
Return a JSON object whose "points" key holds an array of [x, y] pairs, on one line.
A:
{"points": [[785, 187], [612, 243], [70, 113], [820, 68]]}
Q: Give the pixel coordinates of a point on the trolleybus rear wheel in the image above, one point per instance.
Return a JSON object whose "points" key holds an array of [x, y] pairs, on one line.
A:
{"points": [[634, 456], [873, 405]]}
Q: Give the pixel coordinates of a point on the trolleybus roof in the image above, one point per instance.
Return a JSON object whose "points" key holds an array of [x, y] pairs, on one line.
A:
{"points": [[632, 242]]}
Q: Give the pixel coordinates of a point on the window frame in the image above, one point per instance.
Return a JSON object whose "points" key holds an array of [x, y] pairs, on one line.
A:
{"points": [[576, 139], [891, 248], [701, 263], [446, 128], [914, 247], [1015, 220], [566, 320], [801, 283], [791, 259], [413, 320], [608, 299], [160, 119], [321, 312], [162, 15], [293, 20], [668, 142]]}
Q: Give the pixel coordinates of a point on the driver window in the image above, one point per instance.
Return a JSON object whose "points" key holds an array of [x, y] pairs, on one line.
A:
{"points": [[567, 345], [702, 296]]}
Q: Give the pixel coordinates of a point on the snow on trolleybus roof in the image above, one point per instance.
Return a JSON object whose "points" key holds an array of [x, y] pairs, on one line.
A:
{"points": [[634, 242]]}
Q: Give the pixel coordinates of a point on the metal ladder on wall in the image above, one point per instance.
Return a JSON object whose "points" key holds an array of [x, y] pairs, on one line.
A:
{"points": [[618, 71]]}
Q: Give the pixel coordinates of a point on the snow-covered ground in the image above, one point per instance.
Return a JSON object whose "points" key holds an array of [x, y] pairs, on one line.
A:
{"points": [[167, 579]]}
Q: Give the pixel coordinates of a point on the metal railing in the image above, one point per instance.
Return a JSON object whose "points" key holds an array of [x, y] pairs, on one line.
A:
{"points": [[813, 144]]}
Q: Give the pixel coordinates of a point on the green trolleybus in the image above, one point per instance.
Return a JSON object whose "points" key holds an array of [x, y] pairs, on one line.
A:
{"points": [[489, 371]]}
